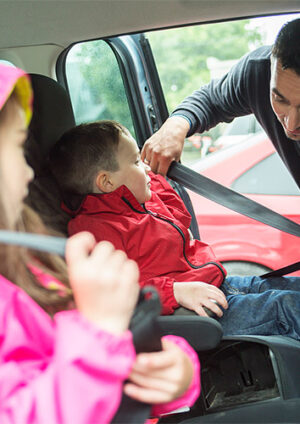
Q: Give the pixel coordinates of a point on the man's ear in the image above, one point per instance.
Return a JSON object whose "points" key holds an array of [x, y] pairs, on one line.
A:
{"points": [[103, 182]]}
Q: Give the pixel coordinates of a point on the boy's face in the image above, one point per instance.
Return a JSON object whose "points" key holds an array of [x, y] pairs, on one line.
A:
{"points": [[133, 173]]}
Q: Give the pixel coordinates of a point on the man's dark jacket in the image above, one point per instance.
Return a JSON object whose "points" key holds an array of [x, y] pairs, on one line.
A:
{"points": [[244, 90]]}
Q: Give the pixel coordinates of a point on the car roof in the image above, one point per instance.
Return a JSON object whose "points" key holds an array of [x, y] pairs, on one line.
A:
{"points": [[28, 23]]}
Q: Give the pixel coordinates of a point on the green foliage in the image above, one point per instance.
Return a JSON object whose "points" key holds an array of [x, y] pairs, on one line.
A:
{"points": [[96, 84], [181, 54], [101, 84]]}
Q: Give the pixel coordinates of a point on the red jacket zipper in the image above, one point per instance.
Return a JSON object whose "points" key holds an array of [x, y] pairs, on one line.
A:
{"points": [[179, 231]]}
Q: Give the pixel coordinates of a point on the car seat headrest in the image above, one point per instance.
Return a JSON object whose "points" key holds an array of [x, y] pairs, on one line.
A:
{"points": [[52, 116], [53, 113]]}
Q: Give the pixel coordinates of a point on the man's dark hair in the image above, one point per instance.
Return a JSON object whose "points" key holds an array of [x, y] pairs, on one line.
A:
{"points": [[82, 152], [287, 46]]}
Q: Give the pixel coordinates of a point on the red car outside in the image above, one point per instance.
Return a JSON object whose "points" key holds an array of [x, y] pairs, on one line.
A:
{"points": [[245, 246]]}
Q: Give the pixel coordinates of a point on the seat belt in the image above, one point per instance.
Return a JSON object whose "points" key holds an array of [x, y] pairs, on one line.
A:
{"points": [[49, 244], [237, 202], [230, 198], [282, 271], [146, 338]]}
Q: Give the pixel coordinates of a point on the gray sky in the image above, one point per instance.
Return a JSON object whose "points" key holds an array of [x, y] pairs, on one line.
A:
{"points": [[270, 26]]}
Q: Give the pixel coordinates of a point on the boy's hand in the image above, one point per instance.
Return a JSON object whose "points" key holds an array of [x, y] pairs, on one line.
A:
{"points": [[104, 282], [195, 295], [160, 377]]}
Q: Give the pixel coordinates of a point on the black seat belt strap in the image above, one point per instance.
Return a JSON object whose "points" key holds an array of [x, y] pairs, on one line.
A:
{"points": [[231, 199], [237, 202], [282, 271], [146, 338]]}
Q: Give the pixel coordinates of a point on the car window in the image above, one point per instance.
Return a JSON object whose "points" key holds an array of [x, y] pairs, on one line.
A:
{"points": [[239, 126], [256, 127], [243, 125], [95, 84], [188, 58], [270, 176]]}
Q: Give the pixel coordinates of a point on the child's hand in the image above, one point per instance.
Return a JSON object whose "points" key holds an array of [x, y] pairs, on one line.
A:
{"points": [[160, 377], [195, 295], [104, 282]]}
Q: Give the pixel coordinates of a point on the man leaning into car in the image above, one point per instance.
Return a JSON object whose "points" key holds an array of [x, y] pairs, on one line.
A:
{"points": [[265, 82]]}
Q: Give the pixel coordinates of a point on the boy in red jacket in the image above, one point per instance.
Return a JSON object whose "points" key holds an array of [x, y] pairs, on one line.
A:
{"points": [[110, 192]]}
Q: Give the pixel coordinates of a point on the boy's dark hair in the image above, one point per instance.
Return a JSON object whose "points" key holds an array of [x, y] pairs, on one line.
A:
{"points": [[82, 152], [287, 46]]}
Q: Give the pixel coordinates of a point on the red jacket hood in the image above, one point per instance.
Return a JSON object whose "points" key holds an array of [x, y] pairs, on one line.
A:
{"points": [[102, 202]]}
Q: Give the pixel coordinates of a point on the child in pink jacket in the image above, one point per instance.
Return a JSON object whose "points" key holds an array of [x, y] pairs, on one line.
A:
{"points": [[59, 365]]}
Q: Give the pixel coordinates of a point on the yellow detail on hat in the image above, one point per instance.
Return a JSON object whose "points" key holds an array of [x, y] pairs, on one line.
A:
{"points": [[24, 92]]}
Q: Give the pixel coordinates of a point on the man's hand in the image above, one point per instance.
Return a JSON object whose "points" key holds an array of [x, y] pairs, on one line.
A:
{"points": [[165, 145], [195, 295]]}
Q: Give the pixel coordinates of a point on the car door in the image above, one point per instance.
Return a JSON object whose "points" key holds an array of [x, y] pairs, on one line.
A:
{"points": [[116, 78], [134, 78]]}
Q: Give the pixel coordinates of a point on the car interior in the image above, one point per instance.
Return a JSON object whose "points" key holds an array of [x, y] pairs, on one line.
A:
{"points": [[251, 379]]}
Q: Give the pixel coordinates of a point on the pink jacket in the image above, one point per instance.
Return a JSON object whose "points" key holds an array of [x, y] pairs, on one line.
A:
{"points": [[64, 370]]}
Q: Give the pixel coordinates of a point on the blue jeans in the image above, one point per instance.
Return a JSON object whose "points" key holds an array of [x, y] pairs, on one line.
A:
{"points": [[262, 306]]}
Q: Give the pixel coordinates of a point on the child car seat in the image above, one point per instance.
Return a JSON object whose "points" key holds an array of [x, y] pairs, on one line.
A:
{"points": [[52, 116]]}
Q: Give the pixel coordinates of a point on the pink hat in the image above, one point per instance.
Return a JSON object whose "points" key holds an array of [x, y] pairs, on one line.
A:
{"points": [[11, 79]]}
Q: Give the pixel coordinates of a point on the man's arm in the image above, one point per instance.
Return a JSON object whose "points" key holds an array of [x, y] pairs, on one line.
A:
{"points": [[219, 101]]}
